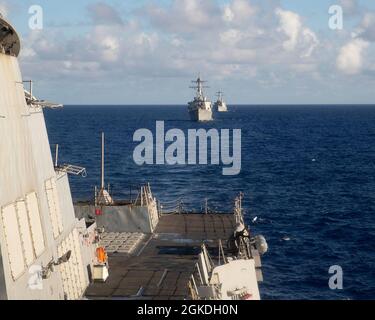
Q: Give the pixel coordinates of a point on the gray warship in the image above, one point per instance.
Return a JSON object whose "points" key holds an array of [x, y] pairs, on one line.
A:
{"points": [[105, 248], [220, 105], [200, 109]]}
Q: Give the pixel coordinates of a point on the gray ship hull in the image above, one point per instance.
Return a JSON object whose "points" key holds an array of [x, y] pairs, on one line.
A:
{"points": [[222, 109], [200, 115]]}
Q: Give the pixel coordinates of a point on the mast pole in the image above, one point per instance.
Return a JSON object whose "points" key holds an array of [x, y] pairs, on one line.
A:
{"points": [[56, 155], [102, 163]]}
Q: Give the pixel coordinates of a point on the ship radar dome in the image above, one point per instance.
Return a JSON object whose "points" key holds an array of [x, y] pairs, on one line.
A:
{"points": [[9, 40]]}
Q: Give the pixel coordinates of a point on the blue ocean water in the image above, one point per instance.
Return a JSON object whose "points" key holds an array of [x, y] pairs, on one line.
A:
{"points": [[307, 174]]}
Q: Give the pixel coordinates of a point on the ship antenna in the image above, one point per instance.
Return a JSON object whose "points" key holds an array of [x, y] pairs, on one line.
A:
{"points": [[56, 155], [220, 95], [104, 197], [102, 163], [199, 82]]}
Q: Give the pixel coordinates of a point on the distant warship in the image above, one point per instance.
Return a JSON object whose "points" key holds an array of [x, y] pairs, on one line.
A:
{"points": [[200, 109], [220, 105]]}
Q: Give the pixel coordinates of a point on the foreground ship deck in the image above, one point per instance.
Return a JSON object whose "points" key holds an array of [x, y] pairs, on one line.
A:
{"points": [[162, 264]]}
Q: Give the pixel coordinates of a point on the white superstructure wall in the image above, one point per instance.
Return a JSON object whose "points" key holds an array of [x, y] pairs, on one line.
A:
{"points": [[36, 209]]}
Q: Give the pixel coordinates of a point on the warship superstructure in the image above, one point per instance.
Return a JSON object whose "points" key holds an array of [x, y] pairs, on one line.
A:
{"points": [[104, 248], [220, 105], [200, 109], [45, 251]]}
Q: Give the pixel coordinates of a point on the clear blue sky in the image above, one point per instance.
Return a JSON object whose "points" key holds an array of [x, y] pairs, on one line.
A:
{"points": [[146, 52]]}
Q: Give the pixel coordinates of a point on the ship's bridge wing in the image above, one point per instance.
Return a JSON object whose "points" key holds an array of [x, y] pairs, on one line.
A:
{"points": [[9, 39]]}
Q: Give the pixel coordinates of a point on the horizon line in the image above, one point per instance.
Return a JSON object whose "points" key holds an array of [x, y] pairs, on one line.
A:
{"points": [[233, 105]]}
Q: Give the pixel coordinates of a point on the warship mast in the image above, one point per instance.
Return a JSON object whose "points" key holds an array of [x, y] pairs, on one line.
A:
{"points": [[103, 197]]}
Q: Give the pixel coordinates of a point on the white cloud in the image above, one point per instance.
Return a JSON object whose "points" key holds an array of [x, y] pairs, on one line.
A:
{"points": [[110, 48], [106, 50], [188, 36], [350, 58], [185, 16], [367, 26], [228, 14], [291, 25], [4, 9], [234, 56], [238, 11], [104, 14], [311, 40], [27, 52], [231, 37], [350, 7]]}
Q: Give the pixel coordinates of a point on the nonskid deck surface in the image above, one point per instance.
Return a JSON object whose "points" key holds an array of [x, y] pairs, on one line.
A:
{"points": [[162, 264]]}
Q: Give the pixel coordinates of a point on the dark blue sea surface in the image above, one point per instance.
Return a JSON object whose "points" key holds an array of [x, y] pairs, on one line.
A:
{"points": [[307, 174]]}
